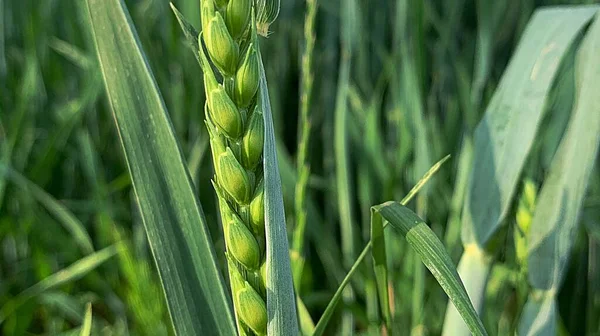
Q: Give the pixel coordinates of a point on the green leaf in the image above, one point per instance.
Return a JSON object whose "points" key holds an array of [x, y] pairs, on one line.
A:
{"points": [[343, 184], [281, 304], [538, 316], [380, 266], [553, 227], [74, 272], [322, 324], [505, 135], [86, 328], [434, 256], [57, 209], [196, 297], [474, 269], [190, 33], [307, 326]]}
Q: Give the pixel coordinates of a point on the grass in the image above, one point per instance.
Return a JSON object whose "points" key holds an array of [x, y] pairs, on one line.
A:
{"points": [[109, 222]]}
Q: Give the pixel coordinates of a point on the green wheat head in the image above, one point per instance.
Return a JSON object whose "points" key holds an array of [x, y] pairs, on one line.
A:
{"points": [[236, 127]]}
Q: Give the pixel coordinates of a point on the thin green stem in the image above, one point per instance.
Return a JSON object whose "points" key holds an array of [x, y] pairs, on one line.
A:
{"points": [[305, 128]]}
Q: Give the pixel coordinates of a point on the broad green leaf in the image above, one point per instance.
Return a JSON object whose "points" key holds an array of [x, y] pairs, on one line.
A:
{"points": [[177, 231], [72, 273], [86, 328], [505, 135], [538, 316], [554, 222], [281, 304]]}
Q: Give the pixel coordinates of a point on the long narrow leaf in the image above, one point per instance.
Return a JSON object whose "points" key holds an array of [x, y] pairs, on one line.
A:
{"points": [[281, 304], [380, 266], [196, 297], [324, 320], [86, 328], [342, 156], [74, 272], [56, 208]]}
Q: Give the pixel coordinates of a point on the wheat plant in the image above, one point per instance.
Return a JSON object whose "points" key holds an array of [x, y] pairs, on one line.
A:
{"points": [[236, 126], [185, 230]]}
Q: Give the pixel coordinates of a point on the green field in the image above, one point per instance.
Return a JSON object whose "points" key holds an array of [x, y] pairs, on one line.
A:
{"points": [[419, 153]]}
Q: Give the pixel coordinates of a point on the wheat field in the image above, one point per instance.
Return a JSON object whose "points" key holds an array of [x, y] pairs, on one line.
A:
{"points": [[299, 167]]}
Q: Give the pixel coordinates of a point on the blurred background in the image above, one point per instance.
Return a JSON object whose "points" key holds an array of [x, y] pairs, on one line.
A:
{"points": [[420, 76]]}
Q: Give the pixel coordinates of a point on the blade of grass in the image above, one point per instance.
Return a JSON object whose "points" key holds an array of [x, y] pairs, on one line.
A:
{"points": [[281, 305], [324, 320], [177, 231], [307, 326], [342, 171], [474, 269], [380, 268], [71, 273], [434, 256], [86, 329], [57, 209]]}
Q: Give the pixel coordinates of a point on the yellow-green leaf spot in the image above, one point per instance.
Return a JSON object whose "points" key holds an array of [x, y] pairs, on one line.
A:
{"points": [[247, 78], [224, 113], [237, 16], [242, 245], [253, 140], [252, 310], [233, 177], [221, 47], [257, 210]]}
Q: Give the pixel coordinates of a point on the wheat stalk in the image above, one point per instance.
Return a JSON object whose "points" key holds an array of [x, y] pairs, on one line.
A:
{"points": [[236, 128]]}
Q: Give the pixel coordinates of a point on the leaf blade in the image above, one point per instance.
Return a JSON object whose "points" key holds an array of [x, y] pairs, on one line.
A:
{"points": [[71, 273], [505, 135], [86, 328], [431, 250], [281, 304], [175, 224], [552, 232]]}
